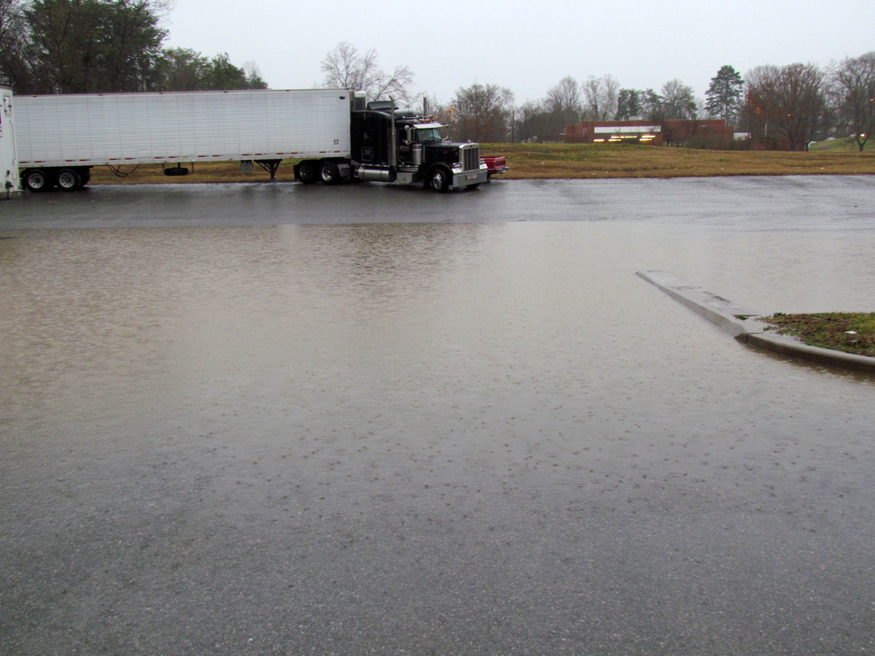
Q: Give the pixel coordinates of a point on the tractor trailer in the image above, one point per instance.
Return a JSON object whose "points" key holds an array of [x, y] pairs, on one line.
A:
{"points": [[335, 134]]}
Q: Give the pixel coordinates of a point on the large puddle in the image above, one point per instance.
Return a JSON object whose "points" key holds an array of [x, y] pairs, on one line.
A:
{"points": [[471, 438]]}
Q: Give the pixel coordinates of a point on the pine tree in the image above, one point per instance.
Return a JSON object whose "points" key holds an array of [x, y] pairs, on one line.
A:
{"points": [[724, 93], [628, 104]]}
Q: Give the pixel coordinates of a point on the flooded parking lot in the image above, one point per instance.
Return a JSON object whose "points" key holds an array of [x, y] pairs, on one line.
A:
{"points": [[292, 420]]}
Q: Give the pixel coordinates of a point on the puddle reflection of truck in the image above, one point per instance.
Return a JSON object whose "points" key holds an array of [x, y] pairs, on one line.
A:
{"points": [[334, 132]]}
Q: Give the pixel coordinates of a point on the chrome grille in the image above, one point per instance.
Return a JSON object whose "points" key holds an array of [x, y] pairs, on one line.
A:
{"points": [[471, 157]]}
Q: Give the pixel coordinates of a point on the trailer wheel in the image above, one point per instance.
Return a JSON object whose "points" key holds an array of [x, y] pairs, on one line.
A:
{"points": [[328, 172], [307, 171], [438, 180], [86, 176], [69, 180], [37, 180]]}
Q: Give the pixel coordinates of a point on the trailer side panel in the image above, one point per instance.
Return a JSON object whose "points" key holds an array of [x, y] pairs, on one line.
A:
{"points": [[140, 128]]}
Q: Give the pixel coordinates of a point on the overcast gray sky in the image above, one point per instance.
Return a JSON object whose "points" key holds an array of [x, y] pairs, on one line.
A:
{"points": [[527, 45]]}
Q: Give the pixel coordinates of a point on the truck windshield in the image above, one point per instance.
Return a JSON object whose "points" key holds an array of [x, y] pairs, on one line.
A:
{"points": [[427, 135]]}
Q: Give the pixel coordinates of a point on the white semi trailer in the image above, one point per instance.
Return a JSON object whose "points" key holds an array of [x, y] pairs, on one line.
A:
{"points": [[335, 134], [60, 137]]}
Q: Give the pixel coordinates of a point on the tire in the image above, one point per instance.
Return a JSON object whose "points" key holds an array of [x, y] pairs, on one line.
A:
{"points": [[86, 176], [307, 171], [328, 173], [69, 180], [438, 180], [37, 180]]}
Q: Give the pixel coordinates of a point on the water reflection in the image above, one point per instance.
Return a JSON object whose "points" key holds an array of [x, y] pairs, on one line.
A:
{"points": [[134, 312]]}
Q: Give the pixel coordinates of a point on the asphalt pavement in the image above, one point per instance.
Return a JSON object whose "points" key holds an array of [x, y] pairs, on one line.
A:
{"points": [[276, 419]]}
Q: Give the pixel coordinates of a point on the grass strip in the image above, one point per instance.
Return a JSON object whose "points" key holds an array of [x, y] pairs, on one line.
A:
{"points": [[851, 332], [574, 162]]}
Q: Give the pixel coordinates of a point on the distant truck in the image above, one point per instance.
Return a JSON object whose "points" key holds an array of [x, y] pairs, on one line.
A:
{"points": [[334, 132]]}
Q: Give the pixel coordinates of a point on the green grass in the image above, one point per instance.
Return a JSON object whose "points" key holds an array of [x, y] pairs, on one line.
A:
{"points": [[852, 332], [845, 144]]}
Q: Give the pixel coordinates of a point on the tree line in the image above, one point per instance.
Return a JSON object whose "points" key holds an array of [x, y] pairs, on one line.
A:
{"points": [[103, 46], [99, 46], [788, 106], [778, 106]]}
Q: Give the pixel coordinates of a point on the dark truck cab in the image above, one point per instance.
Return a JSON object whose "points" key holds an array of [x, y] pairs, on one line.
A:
{"points": [[388, 145]]}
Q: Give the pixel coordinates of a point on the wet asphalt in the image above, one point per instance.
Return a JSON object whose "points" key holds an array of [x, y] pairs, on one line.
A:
{"points": [[276, 419], [800, 202]]}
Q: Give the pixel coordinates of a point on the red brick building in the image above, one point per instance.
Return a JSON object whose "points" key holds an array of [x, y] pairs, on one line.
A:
{"points": [[673, 132]]}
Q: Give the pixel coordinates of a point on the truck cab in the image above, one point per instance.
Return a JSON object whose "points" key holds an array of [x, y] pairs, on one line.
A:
{"points": [[406, 148], [423, 150]]}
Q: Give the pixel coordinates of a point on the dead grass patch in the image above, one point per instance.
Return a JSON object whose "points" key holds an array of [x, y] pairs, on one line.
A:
{"points": [[199, 172], [573, 161], [577, 161]]}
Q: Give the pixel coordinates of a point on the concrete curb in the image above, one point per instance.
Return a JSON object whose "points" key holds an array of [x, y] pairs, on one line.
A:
{"points": [[746, 325]]}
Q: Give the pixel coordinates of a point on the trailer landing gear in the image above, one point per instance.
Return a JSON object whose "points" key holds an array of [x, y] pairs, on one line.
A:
{"points": [[269, 165]]}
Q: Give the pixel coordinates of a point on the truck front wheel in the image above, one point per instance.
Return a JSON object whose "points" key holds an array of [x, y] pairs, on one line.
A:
{"points": [[69, 180], [438, 180], [37, 180]]}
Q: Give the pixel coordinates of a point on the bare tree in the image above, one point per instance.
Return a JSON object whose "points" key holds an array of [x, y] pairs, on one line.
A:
{"points": [[346, 68], [564, 98], [252, 72], [162, 8], [11, 17], [533, 121], [854, 80], [600, 98], [562, 105], [789, 101], [678, 101], [482, 113], [431, 106], [14, 68]]}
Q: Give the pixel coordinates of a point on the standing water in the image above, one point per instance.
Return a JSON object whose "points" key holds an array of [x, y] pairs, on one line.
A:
{"points": [[428, 438]]}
